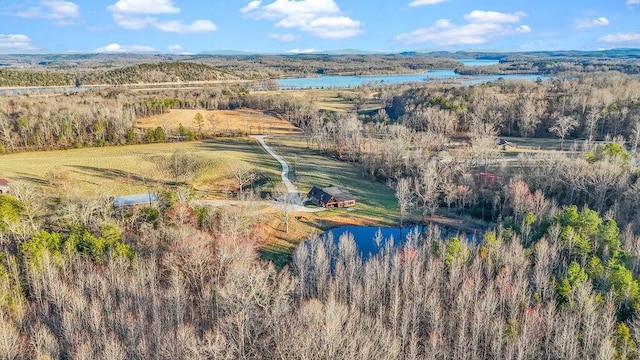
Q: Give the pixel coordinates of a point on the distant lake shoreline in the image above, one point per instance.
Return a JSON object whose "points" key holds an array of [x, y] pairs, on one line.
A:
{"points": [[351, 81]]}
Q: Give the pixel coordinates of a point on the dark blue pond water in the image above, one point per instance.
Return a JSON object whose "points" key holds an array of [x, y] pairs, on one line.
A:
{"points": [[370, 239]]}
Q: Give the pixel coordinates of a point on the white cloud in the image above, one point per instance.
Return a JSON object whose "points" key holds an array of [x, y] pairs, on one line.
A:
{"points": [[303, 51], [282, 37], [482, 27], [138, 14], [133, 22], [251, 6], [590, 23], [492, 17], [416, 3], [176, 26], [15, 42], [626, 37], [62, 12], [633, 2], [143, 7], [176, 48], [117, 48], [321, 18]]}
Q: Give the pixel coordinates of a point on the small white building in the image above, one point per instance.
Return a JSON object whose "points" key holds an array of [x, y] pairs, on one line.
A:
{"points": [[135, 200], [4, 186]]}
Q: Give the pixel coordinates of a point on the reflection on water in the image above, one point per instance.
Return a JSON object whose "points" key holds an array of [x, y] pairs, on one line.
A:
{"points": [[370, 239]]}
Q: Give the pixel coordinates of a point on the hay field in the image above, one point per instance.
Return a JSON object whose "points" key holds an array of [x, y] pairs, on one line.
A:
{"points": [[251, 122], [131, 169]]}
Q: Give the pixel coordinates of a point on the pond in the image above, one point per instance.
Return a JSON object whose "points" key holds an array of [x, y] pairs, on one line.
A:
{"points": [[371, 239], [349, 81]]}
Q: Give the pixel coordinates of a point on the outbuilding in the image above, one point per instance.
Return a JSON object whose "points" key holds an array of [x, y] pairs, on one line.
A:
{"points": [[146, 199]]}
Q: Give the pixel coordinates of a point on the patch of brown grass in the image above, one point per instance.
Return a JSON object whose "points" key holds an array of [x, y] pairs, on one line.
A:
{"points": [[220, 121]]}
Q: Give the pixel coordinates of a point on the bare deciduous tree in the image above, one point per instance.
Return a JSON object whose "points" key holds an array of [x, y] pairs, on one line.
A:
{"points": [[562, 127], [405, 198], [284, 202], [243, 174]]}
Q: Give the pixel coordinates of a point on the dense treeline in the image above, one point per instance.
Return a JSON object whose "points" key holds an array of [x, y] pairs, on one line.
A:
{"points": [[108, 118], [552, 67], [162, 72], [11, 77], [213, 68], [602, 106], [66, 69], [274, 66]]}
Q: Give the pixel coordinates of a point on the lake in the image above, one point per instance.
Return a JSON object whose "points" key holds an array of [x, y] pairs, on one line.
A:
{"points": [[365, 236], [349, 81]]}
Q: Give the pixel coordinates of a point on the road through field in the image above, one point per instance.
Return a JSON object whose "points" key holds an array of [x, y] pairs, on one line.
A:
{"points": [[291, 189]]}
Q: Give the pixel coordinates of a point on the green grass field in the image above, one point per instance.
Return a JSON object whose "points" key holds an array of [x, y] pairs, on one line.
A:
{"points": [[127, 169]]}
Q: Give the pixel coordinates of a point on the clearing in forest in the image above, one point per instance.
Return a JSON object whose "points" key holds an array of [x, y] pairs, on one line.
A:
{"points": [[220, 122]]}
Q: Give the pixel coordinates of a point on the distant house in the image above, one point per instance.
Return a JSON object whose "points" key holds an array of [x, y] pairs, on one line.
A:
{"points": [[506, 145], [4, 186], [147, 199], [332, 197]]}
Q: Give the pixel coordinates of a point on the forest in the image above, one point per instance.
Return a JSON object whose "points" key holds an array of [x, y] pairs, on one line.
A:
{"points": [[554, 273], [122, 69]]}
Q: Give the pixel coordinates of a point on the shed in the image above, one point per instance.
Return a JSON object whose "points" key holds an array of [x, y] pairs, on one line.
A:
{"points": [[4, 186], [332, 196], [134, 200]]}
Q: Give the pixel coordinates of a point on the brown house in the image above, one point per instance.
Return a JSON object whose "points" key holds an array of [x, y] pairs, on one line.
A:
{"points": [[332, 197], [505, 145], [4, 186]]}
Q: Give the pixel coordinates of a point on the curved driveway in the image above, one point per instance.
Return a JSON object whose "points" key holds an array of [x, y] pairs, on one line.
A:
{"points": [[291, 189]]}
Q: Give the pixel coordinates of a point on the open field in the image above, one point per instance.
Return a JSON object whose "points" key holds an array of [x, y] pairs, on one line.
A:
{"points": [[328, 99], [220, 121], [130, 169]]}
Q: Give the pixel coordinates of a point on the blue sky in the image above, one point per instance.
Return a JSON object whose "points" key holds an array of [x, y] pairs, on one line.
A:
{"points": [[280, 26]]}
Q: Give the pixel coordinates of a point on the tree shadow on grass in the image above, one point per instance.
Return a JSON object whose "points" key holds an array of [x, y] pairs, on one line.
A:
{"points": [[257, 157], [32, 179], [115, 174]]}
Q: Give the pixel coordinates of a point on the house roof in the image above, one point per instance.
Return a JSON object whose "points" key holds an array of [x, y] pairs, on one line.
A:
{"points": [[137, 199], [4, 182], [325, 194]]}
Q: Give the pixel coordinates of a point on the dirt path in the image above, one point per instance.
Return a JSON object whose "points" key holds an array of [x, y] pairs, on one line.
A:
{"points": [[291, 189]]}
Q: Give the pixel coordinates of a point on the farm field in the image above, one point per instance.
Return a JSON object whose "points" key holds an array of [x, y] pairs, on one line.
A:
{"points": [[220, 122], [132, 169]]}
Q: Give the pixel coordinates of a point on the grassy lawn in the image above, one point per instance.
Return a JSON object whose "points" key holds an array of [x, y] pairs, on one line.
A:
{"points": [[128, 169]]}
